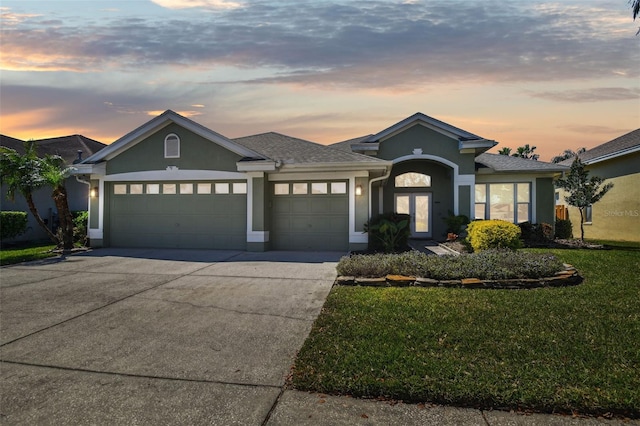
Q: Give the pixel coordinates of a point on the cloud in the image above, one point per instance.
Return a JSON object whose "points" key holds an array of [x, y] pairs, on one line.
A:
{"points": [[598, 94], [586, 129], [332, 44], [205, 4]]}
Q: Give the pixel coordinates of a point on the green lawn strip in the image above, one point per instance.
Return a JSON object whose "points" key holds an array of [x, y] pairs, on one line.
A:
{"points": [[551, 349], [9, 256]]}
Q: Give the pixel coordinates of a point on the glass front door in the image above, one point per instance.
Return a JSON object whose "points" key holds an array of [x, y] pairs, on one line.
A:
{"points": [[418, 206]]}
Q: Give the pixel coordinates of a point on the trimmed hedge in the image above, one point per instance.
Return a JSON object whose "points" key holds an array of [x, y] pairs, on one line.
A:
{"points": [[492, 234], [12, 224]]}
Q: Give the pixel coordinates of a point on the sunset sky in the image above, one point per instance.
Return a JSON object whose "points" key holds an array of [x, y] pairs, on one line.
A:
{"points": [[557, 75]]}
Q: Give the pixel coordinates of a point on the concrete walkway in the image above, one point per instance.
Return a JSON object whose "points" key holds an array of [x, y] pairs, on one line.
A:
{"points": [[180, 337]]}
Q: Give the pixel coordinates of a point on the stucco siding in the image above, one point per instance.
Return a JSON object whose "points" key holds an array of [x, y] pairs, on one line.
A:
{"points": [[431, 143], [196, 153]]}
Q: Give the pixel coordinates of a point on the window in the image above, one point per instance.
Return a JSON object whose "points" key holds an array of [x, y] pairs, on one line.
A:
{"points": [[153, 188], [135, 188], [281, 189], [412, 180], [222, 188], [119, 189], [186, 188], [168, 188], [319, 188], [588, 214], [239, 188], [172, 146], [204, 188], [338, 187], [300, 188], [506, 201]]}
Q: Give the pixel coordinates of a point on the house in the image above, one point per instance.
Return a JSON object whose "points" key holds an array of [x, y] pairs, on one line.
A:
{"points": [[174, 183], [616, 217], [71, 148]]}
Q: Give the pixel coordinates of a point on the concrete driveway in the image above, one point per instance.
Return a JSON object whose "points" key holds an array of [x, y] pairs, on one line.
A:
{"points": [[155, 336]]}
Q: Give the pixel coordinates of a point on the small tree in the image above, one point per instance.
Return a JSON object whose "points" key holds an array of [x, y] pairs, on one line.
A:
{"points": [[55, 172], [568, 153], [22, 175], [583, 190]]}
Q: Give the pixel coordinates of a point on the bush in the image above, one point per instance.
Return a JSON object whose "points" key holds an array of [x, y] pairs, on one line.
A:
{"points": [[455, 223], [564, 229], [388, 232], [535, 233], [80, 224], [486, 265], [12, 224], [488, 234]]}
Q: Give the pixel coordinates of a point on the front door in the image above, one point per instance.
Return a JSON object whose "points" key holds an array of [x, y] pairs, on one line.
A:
{"points": [[418, 206]]}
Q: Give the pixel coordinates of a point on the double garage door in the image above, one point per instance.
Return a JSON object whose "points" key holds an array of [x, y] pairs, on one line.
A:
{"points": [[206, 215], [309, 216], [212, 215]]}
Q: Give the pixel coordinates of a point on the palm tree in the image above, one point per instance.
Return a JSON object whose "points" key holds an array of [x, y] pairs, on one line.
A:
{"points": [[54, 172], [526, 151], [22, 175], [505, 151], [568, 153]]}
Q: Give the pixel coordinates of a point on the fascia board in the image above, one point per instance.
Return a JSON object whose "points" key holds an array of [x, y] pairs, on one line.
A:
{"points": [[613, 155], [338, 166], [160, 122], [256, 166]]}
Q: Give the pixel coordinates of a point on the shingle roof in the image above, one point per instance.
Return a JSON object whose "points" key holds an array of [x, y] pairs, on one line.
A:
{"points": [[290, 150], [620, 144], [507, 163], [66, 147], [346, 145]]}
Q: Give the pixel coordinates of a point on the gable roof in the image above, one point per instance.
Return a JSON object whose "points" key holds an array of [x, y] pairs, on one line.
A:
{"points": [[66, 147], [509, 164], [466, 140], [291, 152], [161, 121], [622, 145], [346, 145]]}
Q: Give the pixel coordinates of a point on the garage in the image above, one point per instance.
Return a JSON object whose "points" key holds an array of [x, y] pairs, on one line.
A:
{"points": [[310, 216], [197, 215]]}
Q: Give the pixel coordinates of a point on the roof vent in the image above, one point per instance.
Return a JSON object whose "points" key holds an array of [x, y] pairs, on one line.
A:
{"points": [[79, 159]]}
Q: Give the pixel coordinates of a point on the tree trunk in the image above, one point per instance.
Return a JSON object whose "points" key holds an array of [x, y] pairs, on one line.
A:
{"points": [[34, 212], [64, 216], [581, 223]]}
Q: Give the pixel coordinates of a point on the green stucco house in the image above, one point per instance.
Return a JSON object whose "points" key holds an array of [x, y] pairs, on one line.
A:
{"points": [[174, 183]]}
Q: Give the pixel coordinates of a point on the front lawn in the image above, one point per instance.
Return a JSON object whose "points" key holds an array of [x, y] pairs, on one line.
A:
{"points": [[11, 255], [569, 349]]}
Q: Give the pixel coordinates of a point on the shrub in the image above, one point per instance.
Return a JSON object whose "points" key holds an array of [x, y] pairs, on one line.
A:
{"points": [[388, 232], [564, 229], [80, 223], [455, 223], [12, 224], [487, 265], [488, 234], [535, 233]]}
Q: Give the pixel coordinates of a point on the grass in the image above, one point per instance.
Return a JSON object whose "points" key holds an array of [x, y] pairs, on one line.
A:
{"points": [[9, 256], [569, 349]]}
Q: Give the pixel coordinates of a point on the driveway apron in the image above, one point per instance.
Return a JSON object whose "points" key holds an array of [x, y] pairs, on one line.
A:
{"points": [[155, 336]]}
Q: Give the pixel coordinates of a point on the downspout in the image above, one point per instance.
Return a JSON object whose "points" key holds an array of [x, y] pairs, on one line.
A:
{"points": [[384, 177]]}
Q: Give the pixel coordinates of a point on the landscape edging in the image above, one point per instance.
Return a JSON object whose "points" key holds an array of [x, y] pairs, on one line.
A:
{"points": [[567, 277]]}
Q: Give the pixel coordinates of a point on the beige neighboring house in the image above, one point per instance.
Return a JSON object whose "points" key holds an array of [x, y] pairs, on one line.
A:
{"points": [[616, 217]]}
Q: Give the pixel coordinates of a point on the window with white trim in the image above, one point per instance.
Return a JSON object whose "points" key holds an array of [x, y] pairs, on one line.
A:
{"points": [[172, 146], [588, 214], [505, 201], [413, 180]]}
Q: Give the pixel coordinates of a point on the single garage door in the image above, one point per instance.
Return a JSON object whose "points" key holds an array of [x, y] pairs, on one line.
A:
{"points": [[203, 215], [310, 216]]}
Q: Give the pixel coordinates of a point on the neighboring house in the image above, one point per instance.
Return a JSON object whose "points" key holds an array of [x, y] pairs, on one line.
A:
{"points": [[72, 149], [616, 217], [174, 183]]}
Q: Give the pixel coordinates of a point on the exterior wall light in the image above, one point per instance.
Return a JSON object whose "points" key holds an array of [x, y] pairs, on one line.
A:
{"points": [[359, 190], [93, 193]]}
